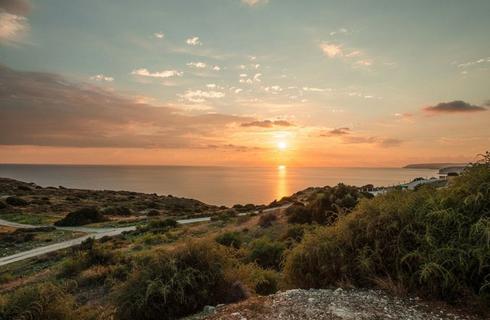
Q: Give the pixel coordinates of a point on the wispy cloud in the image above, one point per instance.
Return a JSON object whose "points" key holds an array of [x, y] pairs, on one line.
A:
{"points": [[199, 96], [267, 124], [159, 35], [101, 77], [456, 106], [253, 3], [194, 41], [336, 132], [199, 65], [142, 72], [332, 50], [339, 31], [14, 25], [57, 112]]}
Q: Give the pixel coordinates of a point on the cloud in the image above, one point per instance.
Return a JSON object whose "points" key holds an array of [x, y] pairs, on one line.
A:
{"points": [[381, 142], [313, 89], [17, 7], [142, 72], [345, 134], [199, 96], [199, 65], [273, 89], [194, 41], [473, 63], [364, 63], [456, 106], [101, 77], [13, 28], [159, 35], [44, 109], [331, 50], [252, 3], [336, 132], [339, 31], [267, 124]]}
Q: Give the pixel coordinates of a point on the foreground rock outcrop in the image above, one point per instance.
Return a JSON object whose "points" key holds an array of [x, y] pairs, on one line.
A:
{"points": [[331, 305]]}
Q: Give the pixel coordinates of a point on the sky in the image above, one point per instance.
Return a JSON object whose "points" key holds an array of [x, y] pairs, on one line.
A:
{"points": [[367, 83]]}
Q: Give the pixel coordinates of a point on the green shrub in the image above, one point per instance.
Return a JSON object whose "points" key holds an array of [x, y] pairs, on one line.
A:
{"points": [[298, 213], [230, 239], [2, 205], [267, 253], [266, 220], [16, 201], [39, 302], [118, 211], [169, 285], [294, 233], [262, 281], [81, 217], [433, 241], [88, 254]]}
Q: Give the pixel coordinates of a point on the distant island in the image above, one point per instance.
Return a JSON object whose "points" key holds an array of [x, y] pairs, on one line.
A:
{"points": [[433, 165]]}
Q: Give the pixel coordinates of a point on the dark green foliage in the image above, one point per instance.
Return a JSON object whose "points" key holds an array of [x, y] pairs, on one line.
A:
{"points": [[294, 233], [266, 220], [38, 302], [16, 202], [2, 205], [433, 241], [230, 239], [118, 211], [88, 254], [81, 217], [170, 285], [159, 226], [298, 213], [267, 253], [267, 282], [326, 206]]}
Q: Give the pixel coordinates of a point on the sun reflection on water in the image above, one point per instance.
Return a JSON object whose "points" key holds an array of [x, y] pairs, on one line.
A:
{"points": [[282, 189]]}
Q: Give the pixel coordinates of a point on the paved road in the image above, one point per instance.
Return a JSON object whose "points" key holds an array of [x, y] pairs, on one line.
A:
{"points": [[95, 233]]}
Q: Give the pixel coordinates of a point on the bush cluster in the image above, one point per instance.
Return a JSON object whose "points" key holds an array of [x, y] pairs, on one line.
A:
{"points": [[230, 239], [436, 242], [327, 206], [81, 217], [170, 285], [16, 201]]}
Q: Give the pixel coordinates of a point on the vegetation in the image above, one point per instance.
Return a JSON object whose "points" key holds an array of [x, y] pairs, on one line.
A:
{"points": [[16, 201], [178, 283], [430, 242], [436, 242], [42, 301], [230, 239], [81, 217], [267, 253], [327, 205], [266, 220]]}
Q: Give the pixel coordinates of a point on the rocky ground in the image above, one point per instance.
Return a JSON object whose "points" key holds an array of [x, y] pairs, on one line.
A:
{"points": [[336, 304]]}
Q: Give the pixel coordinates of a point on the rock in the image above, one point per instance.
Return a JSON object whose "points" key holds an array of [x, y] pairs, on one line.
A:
{"points": [[209, 309], [338, 291]]}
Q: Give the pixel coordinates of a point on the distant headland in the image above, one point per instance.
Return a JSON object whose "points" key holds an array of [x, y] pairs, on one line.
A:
{"points": [[434, 166]]}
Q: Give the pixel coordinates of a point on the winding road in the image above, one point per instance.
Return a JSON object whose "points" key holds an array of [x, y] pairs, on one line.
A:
{"points": [[95, 233]]}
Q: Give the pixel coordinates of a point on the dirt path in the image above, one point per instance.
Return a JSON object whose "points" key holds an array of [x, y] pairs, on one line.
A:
{"points": [[95, 233]]}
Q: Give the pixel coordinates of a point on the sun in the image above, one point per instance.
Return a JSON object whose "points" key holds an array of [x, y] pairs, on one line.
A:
{"points": [[281, 145]]}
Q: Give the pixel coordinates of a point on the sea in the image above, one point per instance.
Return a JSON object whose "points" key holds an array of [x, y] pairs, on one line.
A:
{"points": [[213, 185]]}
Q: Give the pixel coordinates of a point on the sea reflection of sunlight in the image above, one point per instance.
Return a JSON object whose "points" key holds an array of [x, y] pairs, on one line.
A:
{"points": [[282, 189]]}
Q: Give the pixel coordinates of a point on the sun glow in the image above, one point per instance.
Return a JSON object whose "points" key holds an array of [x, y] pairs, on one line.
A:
{"points": [[281, 145]]}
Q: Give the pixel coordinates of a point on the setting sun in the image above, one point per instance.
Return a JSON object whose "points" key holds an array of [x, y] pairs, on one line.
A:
{"points": [[281, 145]]}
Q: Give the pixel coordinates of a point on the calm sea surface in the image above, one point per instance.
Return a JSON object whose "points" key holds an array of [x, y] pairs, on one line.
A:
{"points": [[214, 185]]}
